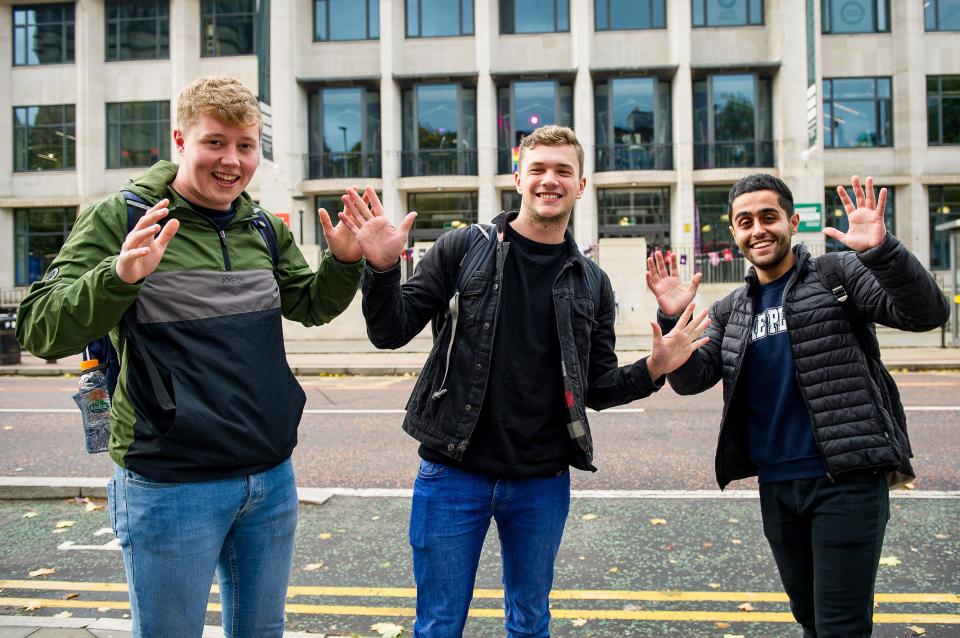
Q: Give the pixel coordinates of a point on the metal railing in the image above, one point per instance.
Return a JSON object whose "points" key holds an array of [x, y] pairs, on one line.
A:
{"points": [[438, 161], [635, 157], [718, 271], [11, 297], [332, 165], [732, 154]]}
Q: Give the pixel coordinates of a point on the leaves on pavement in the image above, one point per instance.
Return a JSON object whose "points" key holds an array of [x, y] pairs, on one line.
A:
{"points": [[65, 524], [43, 571], [890, 561], [658, 521], [325, 536], [588, 517], [721, 625], [917, 631], [64, 614], [30, 515], [312, 567], [387, 629], [578, 622], [32, 605], [70, 596], [745, 607]]}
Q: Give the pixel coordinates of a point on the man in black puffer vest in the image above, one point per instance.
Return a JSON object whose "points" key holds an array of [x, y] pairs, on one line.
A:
{"points": [[805, 409]]}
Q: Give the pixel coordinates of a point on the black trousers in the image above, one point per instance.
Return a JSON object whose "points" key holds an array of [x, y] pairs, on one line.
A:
{"points": [[826, 539]]}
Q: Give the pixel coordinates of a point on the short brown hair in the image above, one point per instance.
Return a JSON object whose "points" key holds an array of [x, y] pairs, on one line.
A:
{"points": [[552, 135], [221, 96]]}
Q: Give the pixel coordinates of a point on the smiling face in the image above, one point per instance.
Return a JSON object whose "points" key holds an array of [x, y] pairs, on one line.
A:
{"points": [[217, 161], [763, 232], [549, 183]]}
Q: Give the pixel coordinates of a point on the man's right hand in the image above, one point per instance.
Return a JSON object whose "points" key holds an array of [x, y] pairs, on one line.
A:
{"points": [[673, 296], [380, 241], [144, 246]]}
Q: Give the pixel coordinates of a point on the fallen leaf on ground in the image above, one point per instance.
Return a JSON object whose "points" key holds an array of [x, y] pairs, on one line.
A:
{"points": [[65, 524], [713, 585], [733, 520], [387, 629], [70, 596], [917, 631], [613, 570], [721, 625], [325, 535], [31, 605], [103, 609], [578, 622], [733, 636], [909, 486], [737, 541], [92, 506], [581, 558], [588, 517], [658, 521], [8, 427], [30, 515], [63, 614], [890, 561], [374, 518], [312, 567], [745, 607], [43, 571], [941, 537], [707, 545]]}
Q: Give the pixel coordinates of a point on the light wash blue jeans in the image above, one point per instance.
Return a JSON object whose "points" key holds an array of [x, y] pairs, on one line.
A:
{"points": [[175, 535], [449, 520]]}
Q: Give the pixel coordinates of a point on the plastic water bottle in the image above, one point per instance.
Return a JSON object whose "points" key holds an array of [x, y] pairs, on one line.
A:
{"points": [[94, 402]]}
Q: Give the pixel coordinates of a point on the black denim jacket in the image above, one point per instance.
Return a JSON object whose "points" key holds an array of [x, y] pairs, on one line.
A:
{"points": [[444, 421]]}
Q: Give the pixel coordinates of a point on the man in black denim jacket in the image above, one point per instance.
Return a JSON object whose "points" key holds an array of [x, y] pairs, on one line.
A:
{"points": [[525, 347]]}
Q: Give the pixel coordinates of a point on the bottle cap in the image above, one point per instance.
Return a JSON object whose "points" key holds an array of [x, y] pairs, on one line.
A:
{"points": [[89, 363]]}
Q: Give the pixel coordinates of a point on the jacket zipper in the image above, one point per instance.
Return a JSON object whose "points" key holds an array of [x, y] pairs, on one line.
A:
{"points": [[736, 373]]}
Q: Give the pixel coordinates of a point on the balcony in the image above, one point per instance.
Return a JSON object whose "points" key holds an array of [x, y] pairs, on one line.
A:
{"points": [[333, 165], [747, 154], [438, 161], [635, 157]]}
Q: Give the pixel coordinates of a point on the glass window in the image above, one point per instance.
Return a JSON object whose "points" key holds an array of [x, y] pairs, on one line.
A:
{"points": [[855, 16], [526, 105], [227, 27], [138, 133], [138, 29], [534, 16], [837, 218], [941, 15], [439, 212], [943, 109], [715, 253], [633, 125], [635, 212], [346, 20], [727, 13], [944, 207], [44, 137], [38, 238], [439, 130], [857, 112], [43, 34], [629, 14], [344, 133], [733, 122], [436, 18]]}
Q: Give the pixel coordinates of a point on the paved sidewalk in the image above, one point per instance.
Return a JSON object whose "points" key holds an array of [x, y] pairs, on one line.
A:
{"points": [[44, 627], [901, 351]]}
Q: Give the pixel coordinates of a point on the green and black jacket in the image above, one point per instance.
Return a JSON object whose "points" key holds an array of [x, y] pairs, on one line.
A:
{"points": [[205, 391]]}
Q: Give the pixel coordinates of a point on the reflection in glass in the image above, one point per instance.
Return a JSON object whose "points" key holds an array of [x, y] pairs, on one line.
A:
{"points": [[439, 212], [733, 124], [635, 212], [44, 137], [858, 113], [534, 16], [629, 14], [943, 109], [944, 207], [855, 16], [437, 18], [526, 105], [138, 29], [227, 27], [633, 125], [138, 133], [346, 20], [443, 140], [344, 133], [43, 34], [727, 13], [38, 237], [941, 15]]}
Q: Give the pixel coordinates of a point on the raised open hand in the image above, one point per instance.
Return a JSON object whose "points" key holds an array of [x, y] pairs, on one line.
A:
{"points": [[379, 240], [671, 293], [867, 228], [341, 240], [144, 246], [670, 351]]}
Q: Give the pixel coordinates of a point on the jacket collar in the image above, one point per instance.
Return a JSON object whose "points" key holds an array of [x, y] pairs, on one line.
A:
{"points": [[572, 250], [800, 254]]}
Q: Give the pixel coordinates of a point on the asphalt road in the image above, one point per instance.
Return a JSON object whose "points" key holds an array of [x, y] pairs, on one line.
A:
{"points": [[635, 564]]}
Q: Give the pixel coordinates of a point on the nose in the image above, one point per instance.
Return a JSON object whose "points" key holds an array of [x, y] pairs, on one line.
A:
{"points": [[230, 157]]}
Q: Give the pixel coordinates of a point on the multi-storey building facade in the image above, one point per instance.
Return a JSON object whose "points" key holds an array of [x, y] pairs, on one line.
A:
{"points": [[426, 100]]}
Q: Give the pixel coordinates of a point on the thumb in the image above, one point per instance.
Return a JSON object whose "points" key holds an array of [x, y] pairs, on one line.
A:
{"points": [[325, 221], [657, 333], [407, 222], [833, 233]]}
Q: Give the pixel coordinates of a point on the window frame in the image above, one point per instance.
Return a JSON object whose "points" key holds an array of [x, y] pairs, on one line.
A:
{"points": [[661, 89], [935, 7], [315, 123], [826, 18], [465, 149], [508, 25], [461, 14], [370, 23], [213, 15], [938, 96], [758, 140], [511, 83], [67, 33], [832, 203], [162, 37], [934, 208], [471, 215], [609, 5], [68, 134], [161, 131], [829, 97], [21, 273], [663, 211], [761, 21]]}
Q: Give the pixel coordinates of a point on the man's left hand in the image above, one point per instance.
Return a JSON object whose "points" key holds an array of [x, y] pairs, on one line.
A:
{"points": [[340, 239], [867, 228]]}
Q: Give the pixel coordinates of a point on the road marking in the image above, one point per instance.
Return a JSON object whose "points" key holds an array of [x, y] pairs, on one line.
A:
{"points": [[110, 546], [587, 614]]}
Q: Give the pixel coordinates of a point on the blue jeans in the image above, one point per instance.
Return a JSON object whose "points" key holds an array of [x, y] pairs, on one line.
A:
{"points": [[174, 537], [449, 520]]}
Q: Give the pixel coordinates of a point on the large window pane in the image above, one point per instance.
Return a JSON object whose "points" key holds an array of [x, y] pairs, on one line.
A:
{"points": [[526, 105], [943, 109], [733, 123], [138, 133], [633, 125], [344, 133], [715, 253], [630, 14], [727, 13], [39, 235], [138, 29], [43, 34], [635, 212], [836, 217], [944, 207], [227, 27], [439, 212], [346, 19], [534, 16], [436, 18], [854, 16], [439, 130], [858, 112], [941, 15], [44, 137]]}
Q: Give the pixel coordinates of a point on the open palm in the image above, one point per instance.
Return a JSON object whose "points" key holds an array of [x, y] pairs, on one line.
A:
{"points": [[378, 239], [671, 293], [867, 228], [145, 245]]}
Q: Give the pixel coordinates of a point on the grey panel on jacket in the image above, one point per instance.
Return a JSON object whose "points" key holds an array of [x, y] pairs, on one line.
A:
{"points": [[183, 295]]}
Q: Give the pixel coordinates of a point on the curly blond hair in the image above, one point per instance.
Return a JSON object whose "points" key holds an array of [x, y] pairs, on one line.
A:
{"points": [[552, 135], [221, 96]]}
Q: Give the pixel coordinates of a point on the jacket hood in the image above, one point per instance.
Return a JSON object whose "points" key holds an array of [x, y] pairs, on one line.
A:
{"points": [[153, 185]]}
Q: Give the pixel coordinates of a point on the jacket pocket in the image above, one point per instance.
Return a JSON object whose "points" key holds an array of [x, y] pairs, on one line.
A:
{"points": [[471, 299], [583, 325]]}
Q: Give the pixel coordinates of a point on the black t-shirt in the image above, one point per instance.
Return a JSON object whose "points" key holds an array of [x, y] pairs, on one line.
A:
{"points": [[220, 218], [522, 436]]}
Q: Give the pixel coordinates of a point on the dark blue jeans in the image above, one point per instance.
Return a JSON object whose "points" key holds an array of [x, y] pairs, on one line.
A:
{"points": [[450, 517], [826, 538]]}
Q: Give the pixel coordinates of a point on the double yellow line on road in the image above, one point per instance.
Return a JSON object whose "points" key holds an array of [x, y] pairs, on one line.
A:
{"points": [[487, 594]]}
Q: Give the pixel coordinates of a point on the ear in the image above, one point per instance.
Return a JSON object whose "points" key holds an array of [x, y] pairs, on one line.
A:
{"points": [[732, 234], [794, 223], [516, 180], [583, 185], [178, 140]]}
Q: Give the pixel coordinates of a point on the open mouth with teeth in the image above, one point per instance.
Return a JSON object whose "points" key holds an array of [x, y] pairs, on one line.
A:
{"points": [[225, 180], [760, 245], [550, 197]]}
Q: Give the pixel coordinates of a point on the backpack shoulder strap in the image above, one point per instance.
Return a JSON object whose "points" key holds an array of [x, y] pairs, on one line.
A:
{"points": [[592, 277], [136, 207], [482, 242], [831, 275], [269, 235]]}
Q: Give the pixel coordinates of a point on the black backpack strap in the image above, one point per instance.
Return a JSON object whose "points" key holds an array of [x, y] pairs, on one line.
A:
{"points": [[831, 274], [269, 235], [136, 208], [478, 251]]}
